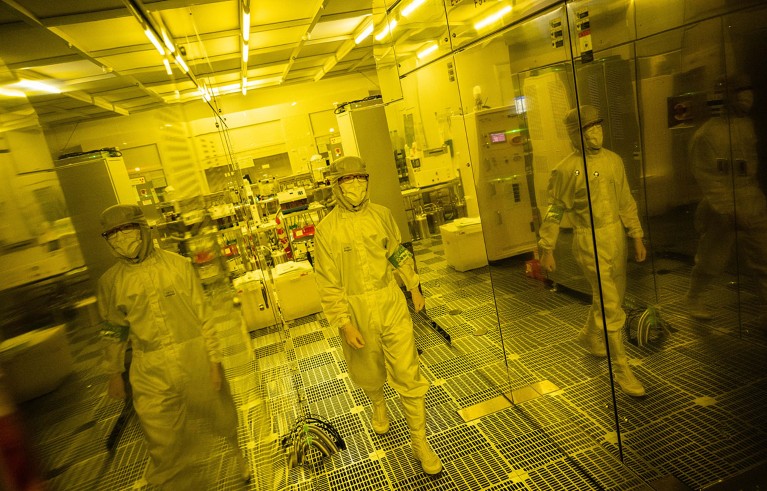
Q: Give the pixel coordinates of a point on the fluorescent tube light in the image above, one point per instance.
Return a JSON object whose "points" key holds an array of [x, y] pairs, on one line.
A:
{"points": [[364, 34], [427, 51], [386, 30], [492, 18], [411, 7], [245, 24], [244, 85], [168, 42], [154, 40], [11, 93], [168, 70], [181, 63], [245, 52], [38, 86]]}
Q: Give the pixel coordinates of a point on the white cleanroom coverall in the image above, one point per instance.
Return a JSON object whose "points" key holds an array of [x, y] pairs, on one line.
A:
{"points": [[358, 252], [613, 210], [158, 304], [725, 165], [357, 282]]}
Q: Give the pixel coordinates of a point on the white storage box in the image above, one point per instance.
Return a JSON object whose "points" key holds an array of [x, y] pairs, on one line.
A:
{"points": [[464, 244], [255, 305], [296, 289], [36, 362]]}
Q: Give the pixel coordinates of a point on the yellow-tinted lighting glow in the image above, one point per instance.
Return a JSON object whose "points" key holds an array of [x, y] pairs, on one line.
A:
{"points": [[168, 42], [137, 169], [411, 7], [11, 93], [245, 53], [427, 51], [364, 34], [246, 25], [168, 69], [39, 86], [492, 18], [153, 39], [386, 30], [182, 64]]}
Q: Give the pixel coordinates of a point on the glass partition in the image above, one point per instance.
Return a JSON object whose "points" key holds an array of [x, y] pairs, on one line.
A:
{"points": [[634, 327]]}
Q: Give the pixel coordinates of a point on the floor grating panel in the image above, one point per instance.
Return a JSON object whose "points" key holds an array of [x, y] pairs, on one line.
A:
{"points": [[703, 417]]}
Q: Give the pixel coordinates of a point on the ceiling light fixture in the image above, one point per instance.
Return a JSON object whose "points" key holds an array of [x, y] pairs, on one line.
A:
{"points": [[38, 86], [149, 34], [492, 18], [168, 42], [245, 23], [181, 63], [244, 85], [168, 69], [245, 52], [411, 7], [427, 51], [11, 93], [364, 34], [386, 30]]}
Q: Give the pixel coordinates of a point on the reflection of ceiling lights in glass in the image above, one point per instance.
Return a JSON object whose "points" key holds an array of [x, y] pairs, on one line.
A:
{"points": [[492, 18], [411, 7], [427, 51], [386, 30]]}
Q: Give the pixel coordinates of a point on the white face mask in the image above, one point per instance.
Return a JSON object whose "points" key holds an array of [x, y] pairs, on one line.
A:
{"points": [[126, 243], [354, 191], [593, 137]]}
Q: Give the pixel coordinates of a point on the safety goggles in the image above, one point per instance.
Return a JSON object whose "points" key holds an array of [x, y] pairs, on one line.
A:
{"points": [[593, 124], [122, 228], [353, 177]]}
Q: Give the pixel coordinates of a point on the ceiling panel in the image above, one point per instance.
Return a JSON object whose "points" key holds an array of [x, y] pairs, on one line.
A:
{"points": [[110, 58]]}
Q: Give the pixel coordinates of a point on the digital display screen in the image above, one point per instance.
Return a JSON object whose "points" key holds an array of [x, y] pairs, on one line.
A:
{"points": [[499, 137]]}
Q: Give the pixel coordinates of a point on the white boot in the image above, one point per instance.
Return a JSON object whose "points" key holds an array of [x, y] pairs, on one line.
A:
{"points": [[415, 414], [593, 342], [380, 417], [622, 373]]}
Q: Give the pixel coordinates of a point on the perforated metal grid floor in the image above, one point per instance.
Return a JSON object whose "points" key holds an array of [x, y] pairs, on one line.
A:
{"points": [[703, 419]]}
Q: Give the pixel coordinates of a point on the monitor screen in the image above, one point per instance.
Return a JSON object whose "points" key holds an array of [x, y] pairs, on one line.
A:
{"points": [[499, 137]]}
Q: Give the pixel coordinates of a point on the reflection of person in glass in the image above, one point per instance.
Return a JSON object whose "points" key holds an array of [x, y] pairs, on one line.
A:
{"points": [[154, 299], [358, 252], [613, 210], [724, 162]]}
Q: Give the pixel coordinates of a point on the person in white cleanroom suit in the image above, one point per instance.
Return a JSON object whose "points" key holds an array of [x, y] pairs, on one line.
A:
{"points": [[725, 162], [358, 251], [153, 298], [614, 211]]}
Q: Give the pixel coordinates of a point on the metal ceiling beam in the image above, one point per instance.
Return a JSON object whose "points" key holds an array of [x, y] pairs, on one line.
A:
{"points": [[318, 7], [32, 20]]}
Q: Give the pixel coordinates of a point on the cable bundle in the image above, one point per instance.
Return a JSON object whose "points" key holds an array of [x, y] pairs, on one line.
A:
{"points": [[311, 439], [646, 324]]}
